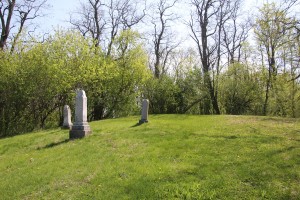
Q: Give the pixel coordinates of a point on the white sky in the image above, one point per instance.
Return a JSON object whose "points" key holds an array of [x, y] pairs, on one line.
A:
{"points": [[58, 13]]}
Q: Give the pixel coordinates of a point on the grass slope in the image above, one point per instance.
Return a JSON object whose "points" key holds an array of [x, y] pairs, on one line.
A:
{"points": [[171, 157]]}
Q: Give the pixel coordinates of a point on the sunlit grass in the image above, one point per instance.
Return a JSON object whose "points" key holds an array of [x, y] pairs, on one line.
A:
{"points": [[171, 157]]}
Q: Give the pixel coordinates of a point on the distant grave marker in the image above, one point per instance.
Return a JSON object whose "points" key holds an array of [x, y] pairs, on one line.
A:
{"points": [[67, 124], [145, 109], [81, 128]]}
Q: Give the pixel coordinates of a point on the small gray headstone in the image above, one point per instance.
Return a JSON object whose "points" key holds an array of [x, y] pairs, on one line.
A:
{"points": [[81, 128], [145, 108], [67, 118]]}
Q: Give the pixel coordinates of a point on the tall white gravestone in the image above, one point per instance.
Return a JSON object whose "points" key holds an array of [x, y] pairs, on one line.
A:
{"points": [[145, 108], [67, 118], [81, 128]]}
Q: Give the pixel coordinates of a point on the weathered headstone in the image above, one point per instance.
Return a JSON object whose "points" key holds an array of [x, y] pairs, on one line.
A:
{"points": [[145, 108], [67, 118], [81, 128]]}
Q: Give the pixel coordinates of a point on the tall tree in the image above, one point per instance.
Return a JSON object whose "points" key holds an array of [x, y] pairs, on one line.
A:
{"points": [[104, 19], [16, 14], [6, 14], [208, 24], [204, 26], [204, 12], [163, 38], [90, 20], [235, 32], [271, 33]]}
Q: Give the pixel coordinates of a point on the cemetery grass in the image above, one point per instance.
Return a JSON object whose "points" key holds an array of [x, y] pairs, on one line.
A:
{"points": [[171, 157]]}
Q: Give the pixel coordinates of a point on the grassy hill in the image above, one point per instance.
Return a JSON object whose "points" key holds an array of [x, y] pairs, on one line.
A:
{"points": [[171, 157]]}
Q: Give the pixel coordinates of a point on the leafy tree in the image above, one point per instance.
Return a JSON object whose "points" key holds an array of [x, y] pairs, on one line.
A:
{"points": [[191, 94], [207, 25], [124, 78], [284, 98], [39, 80], [239, 90], [271, 33], [161, 94]]}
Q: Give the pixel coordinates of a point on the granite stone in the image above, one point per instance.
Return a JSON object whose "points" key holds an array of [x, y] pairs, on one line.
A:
{"points": [[80, 128], [67, 124], [145, 109]]}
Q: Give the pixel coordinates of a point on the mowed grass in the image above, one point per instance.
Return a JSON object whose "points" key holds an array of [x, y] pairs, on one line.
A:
{"points": [[171, 157]]}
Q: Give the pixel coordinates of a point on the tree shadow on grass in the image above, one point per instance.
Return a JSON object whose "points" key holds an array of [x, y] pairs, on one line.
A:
{"points": [[280, 151], [136, 125], [228, 137], [54, 144], [41, 131]]}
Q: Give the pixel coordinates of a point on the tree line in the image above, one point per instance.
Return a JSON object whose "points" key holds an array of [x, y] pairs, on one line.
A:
{"points": [[122, 51]]}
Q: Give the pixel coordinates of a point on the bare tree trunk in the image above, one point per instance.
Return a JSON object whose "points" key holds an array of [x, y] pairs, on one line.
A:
{"points": [[21, 11], [268, 86], [205, 12], [162, 37], [6, 13]]}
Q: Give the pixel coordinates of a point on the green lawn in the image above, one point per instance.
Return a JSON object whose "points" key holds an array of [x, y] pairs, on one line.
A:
{"points": [[171, 157]]}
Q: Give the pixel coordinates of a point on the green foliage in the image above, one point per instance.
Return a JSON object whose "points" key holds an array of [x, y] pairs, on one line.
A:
{"points": [[171, 157], [161, 94], [191, 92], [270, 26], [274, 33], [183, 94], [285, 97], [239, 90], [127, 72], [181, 90], [39, 80]]}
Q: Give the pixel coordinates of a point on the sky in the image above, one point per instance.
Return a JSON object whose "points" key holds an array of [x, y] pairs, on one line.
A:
{"points": [[59, 10], [57, 14]]}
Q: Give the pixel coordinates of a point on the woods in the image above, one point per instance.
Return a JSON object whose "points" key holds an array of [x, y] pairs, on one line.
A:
{"points": [[122, 51]]}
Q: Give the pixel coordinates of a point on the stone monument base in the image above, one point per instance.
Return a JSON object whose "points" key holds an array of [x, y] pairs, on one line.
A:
{"points": [[79, 131]]}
